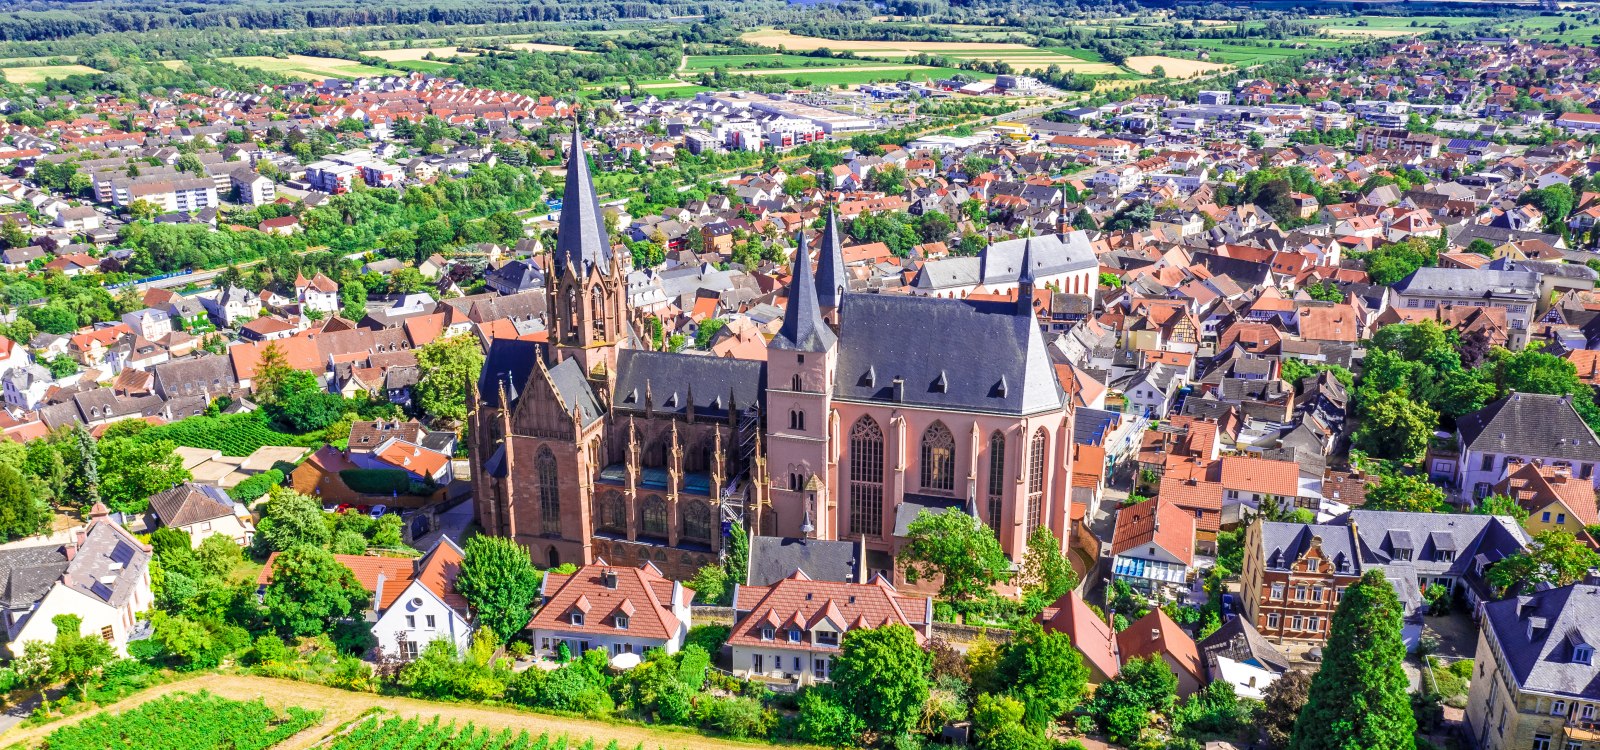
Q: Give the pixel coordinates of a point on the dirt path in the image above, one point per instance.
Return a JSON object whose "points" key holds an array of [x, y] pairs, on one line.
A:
{"points": [[341, 706]]}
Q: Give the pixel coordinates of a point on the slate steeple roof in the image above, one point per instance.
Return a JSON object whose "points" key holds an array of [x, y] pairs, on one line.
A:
{"points": [[831, 279], [803, 329], [582, 242]]}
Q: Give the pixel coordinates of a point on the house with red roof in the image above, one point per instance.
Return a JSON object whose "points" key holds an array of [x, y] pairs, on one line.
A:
{"points": [[414, 601], [1153, 548], [792, 629], [618, 609], [1157, 635]]}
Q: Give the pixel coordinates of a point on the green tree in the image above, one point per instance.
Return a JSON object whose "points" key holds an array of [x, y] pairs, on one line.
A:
{"points": [[22, 512], [1110, 280], [1045, 672], [958, 547], [1500, 505], [997, 725], [1395, 426], [1404, 492], [1281, 705], [132, 469], [310, 591], [707, 331], [498, 579], [882, 675], [447, 366], [1122, 706], [1047, 575], [1481, 246], [76, 658], [1359, 698], [1555, 557], [824, 718], [291, 519]]}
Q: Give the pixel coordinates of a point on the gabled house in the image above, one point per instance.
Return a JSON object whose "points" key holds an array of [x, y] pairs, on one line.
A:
{"points": [[1523, 428], [1551, 496], [201, 511], [102, 576], [792, 629], [1153, 548], [620, 610]]}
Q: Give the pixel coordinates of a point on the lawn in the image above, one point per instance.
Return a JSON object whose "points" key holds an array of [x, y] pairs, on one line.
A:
{"points": [[1244, 53], [309, 68], [421, 66], [1086, 55], [849, 77], [32, 74]]}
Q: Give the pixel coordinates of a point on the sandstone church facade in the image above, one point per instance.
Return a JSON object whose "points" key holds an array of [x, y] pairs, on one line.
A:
{"points": [[869, 410]]}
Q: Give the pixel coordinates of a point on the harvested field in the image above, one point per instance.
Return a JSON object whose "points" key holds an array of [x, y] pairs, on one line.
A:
{"points": [[1176, 67], [32, 74], [416, 53]]}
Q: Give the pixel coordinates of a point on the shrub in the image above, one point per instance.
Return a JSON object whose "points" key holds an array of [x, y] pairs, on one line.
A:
{"points": [[255, 487], [737, 717], [708, 637]]}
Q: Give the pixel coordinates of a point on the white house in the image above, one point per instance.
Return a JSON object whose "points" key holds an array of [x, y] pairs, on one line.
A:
{"points": [[25, 387], [792, 629], [150, 323], [427, 607], [1521, 428], [414, 601], [622, 610], [233, 306], [102, 576], [318, 293]]}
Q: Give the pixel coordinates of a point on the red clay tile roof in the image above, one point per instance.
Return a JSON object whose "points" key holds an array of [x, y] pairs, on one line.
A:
{"points": [[1156, 633], [642, 594], [1263, 475], [1157, 522], [1093, 637], [801, 601], [395, 572]]}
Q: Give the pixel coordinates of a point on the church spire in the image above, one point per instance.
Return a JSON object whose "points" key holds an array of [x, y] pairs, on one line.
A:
{"points": [[803, 329], [831, 279], [1025, 280], [581, 242]]}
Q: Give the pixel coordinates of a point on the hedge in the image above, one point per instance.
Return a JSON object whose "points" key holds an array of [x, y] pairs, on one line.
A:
{"points": [[253, 488], [377, 481]]}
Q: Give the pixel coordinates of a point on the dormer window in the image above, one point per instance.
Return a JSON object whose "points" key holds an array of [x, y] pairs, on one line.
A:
{"points": [[766, 634], [621, 622], [577, 619], [1583, 654], [794, 635], [1402, 553], [827, 638]]}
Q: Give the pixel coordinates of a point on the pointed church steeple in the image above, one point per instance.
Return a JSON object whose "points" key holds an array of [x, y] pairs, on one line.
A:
{"points": [[1025, 280], [581, 242], [803, 329], [831, 279]]}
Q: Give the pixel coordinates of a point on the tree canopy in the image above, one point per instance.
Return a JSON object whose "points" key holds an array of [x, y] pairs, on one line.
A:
{"points": [[1360, 697]]}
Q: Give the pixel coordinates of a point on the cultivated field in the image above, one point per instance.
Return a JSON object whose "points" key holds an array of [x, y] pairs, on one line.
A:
{"points": [[541, 47], [32, 74], [1018, 56], [1176, 67], [309, 68], [416, 53], [341, 706]]}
